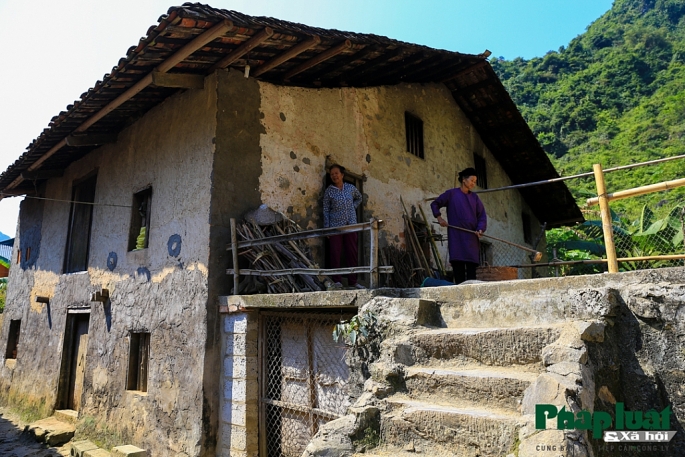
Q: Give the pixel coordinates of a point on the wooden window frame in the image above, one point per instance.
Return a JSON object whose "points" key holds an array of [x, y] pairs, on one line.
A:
{"points": [[138, 361], [73, 262], [138, 221], [481, 170]]}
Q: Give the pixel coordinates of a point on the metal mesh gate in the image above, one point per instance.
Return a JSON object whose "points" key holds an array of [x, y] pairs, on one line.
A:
{"points": [[304, 381]]}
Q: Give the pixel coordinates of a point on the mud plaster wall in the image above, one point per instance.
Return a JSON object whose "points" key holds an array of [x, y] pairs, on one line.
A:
{"points": [[363, 130], [156, 290]]}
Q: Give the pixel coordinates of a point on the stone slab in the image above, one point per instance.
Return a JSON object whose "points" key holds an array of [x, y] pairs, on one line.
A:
{"points": [[128, 451]]}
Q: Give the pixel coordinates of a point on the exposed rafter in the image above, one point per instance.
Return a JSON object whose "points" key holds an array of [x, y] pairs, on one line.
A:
{"points": [[332, 52], [287, 55], [256, 40]]}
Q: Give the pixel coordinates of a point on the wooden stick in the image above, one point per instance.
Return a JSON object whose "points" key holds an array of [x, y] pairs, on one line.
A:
{"points": [[374, 279], [236, 268], [310, 271], [538, 255], [434, 247], [640, 191], [607, 226], [305, 234], [422, 258]]}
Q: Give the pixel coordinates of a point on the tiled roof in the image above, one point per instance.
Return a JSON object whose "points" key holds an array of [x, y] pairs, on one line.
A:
{"points": [[288, 53]]}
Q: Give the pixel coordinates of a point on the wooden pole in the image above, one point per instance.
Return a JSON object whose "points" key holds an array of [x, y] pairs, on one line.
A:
{"points": [[373, 256], [640, 191], [606, 219], [236, 268], [434, 247]]}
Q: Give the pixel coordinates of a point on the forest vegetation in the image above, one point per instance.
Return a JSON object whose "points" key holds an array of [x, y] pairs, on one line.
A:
{"points": [[616, 96]]}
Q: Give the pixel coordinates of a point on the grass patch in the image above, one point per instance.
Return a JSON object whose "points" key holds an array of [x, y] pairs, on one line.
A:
{"points": [[100, 434]]}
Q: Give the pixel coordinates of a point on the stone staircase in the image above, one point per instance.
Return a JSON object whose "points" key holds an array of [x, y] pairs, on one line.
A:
{"points": [[468, 388]]}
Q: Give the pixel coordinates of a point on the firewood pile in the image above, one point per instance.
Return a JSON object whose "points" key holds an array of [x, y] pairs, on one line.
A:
{"points": [[276, 256]]}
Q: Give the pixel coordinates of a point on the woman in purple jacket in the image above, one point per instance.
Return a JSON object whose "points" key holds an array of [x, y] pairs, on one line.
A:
{"points": [[464, 209]]}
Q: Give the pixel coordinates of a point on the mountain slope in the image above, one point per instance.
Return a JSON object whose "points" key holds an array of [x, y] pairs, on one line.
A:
{"points": [[615, 95]]}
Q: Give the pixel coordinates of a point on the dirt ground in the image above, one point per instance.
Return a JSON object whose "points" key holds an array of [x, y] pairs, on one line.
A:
{"points": [[14, 443]]}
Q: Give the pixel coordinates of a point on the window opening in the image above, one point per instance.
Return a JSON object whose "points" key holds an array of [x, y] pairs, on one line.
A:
{"points": [[139, 233], [481, 172], [527, 231], [80, 221], [414, 131], [13, 340], [138, 362]]}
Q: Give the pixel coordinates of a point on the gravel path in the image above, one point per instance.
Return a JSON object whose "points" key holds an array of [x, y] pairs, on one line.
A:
{"points": [[14, 443]]}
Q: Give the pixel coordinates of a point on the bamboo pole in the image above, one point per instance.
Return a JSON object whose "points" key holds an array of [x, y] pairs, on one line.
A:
{"points": [[537, 254], [606, 219], [596, 261], [311, 271], [434, 247], [640, 191], [374, 279], [236, 268], [419, 252]]}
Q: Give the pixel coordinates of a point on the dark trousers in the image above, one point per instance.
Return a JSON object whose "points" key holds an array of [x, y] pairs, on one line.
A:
{"points": [[463, 270], [337, 244]]}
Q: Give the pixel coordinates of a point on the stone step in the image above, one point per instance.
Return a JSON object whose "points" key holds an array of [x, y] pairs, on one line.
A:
{"points": [[500, 387], [434, 429], [490, 346], [66, 415], [51, 431]]}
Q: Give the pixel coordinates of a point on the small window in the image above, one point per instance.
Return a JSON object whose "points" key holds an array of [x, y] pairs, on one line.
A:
{"points": [[414, 129], [527, 231], [481, 172], [139, 234], [137, 362], [13, 340]]}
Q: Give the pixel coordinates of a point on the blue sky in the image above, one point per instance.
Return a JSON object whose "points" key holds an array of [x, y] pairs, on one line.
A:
{"points": [[53, 51]]}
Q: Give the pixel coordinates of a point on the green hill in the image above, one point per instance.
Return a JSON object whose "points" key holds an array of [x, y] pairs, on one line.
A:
{"points": [[615, 95]]}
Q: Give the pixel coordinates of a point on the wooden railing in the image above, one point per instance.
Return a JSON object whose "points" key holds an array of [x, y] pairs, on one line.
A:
{"points": [[374, 270]]}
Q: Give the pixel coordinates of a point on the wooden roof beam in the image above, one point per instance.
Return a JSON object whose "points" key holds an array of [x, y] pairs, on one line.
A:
{"points": [[391, 71], [287, 55], [332, 52], [362, 53], [360, 70], [237, 53], [178, 80], [91, 139], [41, 174], [210, 35], [473, 67]]}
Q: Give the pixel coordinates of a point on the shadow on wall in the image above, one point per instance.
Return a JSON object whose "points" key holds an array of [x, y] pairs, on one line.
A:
{"points": [[30, 226], [632, 343]]}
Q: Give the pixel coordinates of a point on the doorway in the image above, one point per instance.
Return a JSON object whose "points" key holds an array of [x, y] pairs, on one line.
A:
{"points": [[358, 182], [73, 367]]}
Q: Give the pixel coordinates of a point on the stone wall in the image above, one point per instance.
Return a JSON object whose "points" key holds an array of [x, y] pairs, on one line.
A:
{"points": [[306, 130], [162, 290]]}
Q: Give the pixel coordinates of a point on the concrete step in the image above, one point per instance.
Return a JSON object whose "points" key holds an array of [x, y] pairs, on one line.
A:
{"points": [[51, 431], [66, 415], [499, 387], [435, 429], [490, 346]]}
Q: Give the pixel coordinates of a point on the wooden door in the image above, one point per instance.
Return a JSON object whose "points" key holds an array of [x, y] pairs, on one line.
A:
{"points": [[73, 361]]}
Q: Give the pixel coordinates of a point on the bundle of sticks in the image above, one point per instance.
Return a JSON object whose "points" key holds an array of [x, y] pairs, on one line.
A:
{"points": [[278, 256], [407, 271]]}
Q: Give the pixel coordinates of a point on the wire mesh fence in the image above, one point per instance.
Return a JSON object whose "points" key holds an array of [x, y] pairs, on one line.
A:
{"points": [[306, 379]]}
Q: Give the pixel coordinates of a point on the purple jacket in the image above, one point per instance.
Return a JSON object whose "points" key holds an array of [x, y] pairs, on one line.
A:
{"points": [[467, 211]]}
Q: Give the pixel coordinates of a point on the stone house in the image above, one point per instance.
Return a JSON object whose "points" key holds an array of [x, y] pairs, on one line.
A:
{"points": [[113, 295]]}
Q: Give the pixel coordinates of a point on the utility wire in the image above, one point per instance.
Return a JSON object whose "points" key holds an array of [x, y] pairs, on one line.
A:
{"points": [[3, 195]]}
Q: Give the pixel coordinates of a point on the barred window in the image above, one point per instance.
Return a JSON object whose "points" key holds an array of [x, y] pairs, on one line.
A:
{"points": [[414, 130], [481, 171]]}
